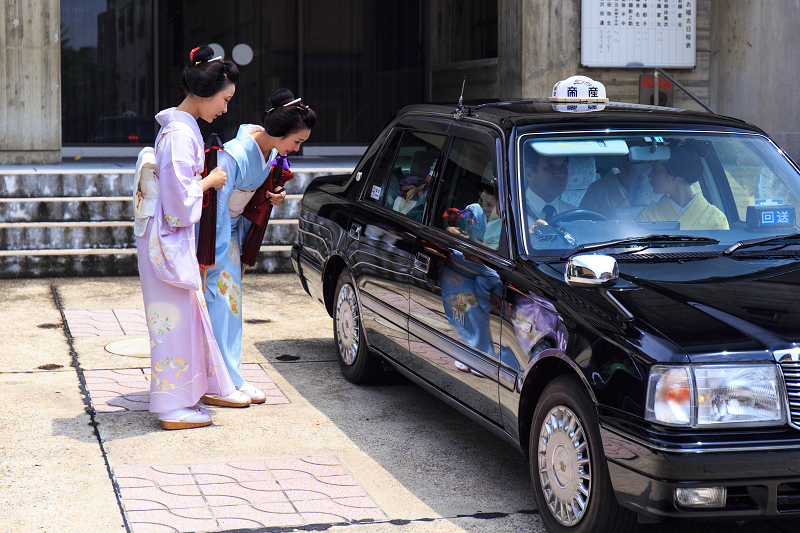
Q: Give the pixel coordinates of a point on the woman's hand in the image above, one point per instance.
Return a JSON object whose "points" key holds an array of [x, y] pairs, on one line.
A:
{"points": [[276, 199], [216, 179], [455, 231]]}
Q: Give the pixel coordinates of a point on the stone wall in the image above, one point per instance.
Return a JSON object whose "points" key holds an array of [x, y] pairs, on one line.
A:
{"points": [[754, 55], [540, 44], [30, 81]]}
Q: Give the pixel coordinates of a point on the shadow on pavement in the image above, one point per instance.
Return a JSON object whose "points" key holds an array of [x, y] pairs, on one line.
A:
{"points": [[449, 462], [452, 464]]}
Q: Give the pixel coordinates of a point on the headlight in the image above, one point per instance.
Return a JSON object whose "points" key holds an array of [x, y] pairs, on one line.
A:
{"points": [[669, 395], [707, 395]]}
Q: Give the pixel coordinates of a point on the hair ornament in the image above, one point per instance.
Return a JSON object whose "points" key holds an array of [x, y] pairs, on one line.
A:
{"points": [[218, 58], [288, 104], [191, 54]]}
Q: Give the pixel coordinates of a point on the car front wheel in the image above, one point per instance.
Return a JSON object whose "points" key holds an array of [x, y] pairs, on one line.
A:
{"points": [[355, 360], [568, 469]]}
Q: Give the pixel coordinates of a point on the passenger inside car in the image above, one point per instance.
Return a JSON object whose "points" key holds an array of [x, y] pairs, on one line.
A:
{"points": [[674, 178], [480, 221], [547, 179], [491, 209], [612, 191], [422, 165], [412, 191]]}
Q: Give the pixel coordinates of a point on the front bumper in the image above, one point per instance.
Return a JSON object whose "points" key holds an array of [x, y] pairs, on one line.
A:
{"points": [[760, 470]]}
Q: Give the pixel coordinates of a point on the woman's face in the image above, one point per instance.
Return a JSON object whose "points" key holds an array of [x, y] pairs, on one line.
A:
{"points": [[661, 181], [291, 143], [214, 106]]}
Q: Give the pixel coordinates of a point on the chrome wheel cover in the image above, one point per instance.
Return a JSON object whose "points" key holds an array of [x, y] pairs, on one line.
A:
{"points": [[564, 465], [346, 319]]}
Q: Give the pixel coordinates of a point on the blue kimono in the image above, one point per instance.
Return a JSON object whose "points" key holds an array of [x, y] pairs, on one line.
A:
{"points": [[247, 169], [467, 289]]}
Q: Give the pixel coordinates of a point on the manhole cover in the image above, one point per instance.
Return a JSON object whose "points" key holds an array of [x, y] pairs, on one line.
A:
{"points": [[50, 366], [258, 320], [138, 347], [287, 357]]}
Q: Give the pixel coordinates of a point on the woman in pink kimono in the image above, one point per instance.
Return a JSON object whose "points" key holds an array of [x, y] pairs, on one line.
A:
{"points": [[185, 361]]}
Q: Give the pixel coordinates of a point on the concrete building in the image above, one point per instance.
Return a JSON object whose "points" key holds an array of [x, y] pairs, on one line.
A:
{"points": [[86, 76]]}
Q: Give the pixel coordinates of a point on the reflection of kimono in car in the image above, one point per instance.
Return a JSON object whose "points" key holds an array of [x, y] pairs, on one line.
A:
{"points": [[467, 289], [699, 214], [491, 237], [535, 321], [246, 167], [473, 225], [186, 362]]}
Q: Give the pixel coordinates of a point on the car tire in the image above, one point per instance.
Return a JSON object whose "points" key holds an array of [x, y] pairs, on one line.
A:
{"points": [[568, 467], [356, 362]]}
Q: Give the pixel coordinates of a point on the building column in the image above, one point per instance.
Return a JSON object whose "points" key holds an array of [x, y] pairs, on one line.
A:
{"points": [[30, 82], [754, 72], [539, 45]]}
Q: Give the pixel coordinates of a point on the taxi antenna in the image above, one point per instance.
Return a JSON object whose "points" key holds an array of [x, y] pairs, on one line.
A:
{"points": [[460, 110]]}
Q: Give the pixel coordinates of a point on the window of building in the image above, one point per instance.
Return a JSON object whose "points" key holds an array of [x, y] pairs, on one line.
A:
{"points": [[356, 62]]}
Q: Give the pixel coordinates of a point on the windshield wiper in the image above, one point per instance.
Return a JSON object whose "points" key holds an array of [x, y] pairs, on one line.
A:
{"points": [[649, 239], [779, 239]]}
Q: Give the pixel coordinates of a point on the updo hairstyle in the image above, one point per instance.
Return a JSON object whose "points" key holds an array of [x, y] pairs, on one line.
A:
{"points": [[281, 119], [204, 77], [685, 163]]}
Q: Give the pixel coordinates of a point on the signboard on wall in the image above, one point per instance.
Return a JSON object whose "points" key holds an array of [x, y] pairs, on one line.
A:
{"points": [[636, 34]]}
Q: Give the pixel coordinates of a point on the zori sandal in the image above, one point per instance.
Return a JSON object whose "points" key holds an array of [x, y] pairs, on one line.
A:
{"points": [[235, 399], [256, 395], [185, 418]]}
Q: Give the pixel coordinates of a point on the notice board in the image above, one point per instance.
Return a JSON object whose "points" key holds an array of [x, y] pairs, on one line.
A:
{"points": [[636, 34]]}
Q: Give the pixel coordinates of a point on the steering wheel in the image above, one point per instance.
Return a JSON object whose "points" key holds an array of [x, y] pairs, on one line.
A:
{"points": [[577, 214]]}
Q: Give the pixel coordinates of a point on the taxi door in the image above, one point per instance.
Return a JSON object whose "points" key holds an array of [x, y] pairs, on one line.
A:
{"points": [[459, 277], [382, 233]]}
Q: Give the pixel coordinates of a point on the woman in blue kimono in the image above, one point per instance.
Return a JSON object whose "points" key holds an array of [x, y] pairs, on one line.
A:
{"points": [[247, 159]]}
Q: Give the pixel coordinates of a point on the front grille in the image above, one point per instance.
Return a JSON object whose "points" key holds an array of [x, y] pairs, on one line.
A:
{"points": [[791, 377], [788, 497]]}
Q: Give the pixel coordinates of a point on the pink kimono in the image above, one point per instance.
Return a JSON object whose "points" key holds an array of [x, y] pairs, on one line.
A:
{"points": [[185, 360]]}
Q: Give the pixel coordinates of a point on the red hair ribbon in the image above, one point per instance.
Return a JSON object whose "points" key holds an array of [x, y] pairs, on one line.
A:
{"points": [[191, 54]]}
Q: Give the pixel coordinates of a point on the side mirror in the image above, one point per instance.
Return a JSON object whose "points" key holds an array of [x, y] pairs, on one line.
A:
{"points": [[597, 271], [591, 270]]}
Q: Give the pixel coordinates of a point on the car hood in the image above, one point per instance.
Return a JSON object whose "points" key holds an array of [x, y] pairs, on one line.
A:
{"points": [[717, 305]]}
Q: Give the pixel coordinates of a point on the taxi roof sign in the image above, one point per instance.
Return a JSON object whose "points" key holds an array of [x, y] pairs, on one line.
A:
{"points": [[578, 94]]}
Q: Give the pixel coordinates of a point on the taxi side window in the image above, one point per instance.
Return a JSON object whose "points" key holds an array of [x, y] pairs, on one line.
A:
{"points": [[467, 205], [375, 189], [402, 182]]}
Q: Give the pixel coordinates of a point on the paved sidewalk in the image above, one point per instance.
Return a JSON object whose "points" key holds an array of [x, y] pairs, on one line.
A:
{"points": [[79, 452]]}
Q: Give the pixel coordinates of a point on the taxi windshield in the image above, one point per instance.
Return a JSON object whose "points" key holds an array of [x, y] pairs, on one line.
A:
{"points": [[577, 190]]}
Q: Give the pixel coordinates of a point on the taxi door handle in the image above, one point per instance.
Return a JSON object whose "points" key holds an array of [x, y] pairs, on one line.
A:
{"points": [[355, 232], [422, 262]]}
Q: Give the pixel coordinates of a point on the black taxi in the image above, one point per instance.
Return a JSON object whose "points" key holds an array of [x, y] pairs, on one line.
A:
{"points": [[613, 288]]}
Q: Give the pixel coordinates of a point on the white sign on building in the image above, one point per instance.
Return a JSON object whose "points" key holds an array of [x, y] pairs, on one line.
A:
{"points": [[644, 33]]}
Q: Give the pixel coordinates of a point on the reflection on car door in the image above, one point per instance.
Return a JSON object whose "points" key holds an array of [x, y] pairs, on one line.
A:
{"points": [[381, 237], [458, 283]]}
